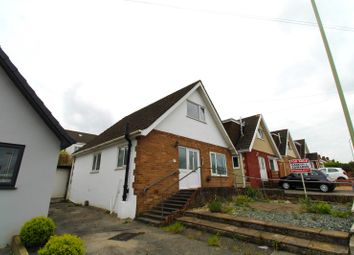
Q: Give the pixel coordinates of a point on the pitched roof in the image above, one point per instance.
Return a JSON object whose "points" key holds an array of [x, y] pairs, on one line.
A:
{"points": [[280, 138], [234, 130], [300, 146], [80, 137], [312, 156], [25, 89], [140, 119]]}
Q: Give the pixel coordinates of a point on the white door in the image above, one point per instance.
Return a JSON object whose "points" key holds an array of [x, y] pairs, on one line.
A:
{"points": [[189, 162], [263, 169]]}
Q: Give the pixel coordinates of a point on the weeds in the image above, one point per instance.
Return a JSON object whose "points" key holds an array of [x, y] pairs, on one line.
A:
{"points": [[176, 227], [214, 240], [242, 200], [253, 193], [215, 206], [323, 208]]}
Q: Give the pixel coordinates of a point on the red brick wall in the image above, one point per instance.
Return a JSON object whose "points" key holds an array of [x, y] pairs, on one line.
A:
{"points": [[252, 167], [155, 156]]}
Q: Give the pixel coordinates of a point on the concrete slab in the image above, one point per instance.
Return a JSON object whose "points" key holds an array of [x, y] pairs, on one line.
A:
{"points": [[96, 227]]}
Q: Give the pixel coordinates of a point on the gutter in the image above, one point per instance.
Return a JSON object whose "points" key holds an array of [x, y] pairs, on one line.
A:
{"points": [[125, 186], [133, 134]]}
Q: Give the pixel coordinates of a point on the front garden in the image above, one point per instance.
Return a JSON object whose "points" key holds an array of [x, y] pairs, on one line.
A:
{"points": [[303, 212]]}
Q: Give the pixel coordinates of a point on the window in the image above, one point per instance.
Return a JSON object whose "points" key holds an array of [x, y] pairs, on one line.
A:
{"points": [[96, 162], [10, 161], [218, 164], [260, 134], [235, 162], [188, 158], [195, 111], [273, 164], [122, 156], [332, 170]]}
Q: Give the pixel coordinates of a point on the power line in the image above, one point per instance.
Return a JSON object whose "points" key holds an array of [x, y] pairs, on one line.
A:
{"points": [[279, 20]]}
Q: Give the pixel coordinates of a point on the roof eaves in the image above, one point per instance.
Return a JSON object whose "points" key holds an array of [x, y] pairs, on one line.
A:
{"points": [[25, 89]]}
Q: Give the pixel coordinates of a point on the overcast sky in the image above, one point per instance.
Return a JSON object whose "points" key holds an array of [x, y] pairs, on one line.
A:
{"points": [[94, 62]]}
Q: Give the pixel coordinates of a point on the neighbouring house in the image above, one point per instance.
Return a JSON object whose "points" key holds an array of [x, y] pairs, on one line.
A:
{"points": [[30, 141], [315, 159], [65, 162], [302, 148], [258, 154], [175, 144], [287, 149]]}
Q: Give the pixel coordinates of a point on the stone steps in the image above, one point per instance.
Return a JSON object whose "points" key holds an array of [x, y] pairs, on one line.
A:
{"points": [[165, 211], [281, 241], [318, 234]]}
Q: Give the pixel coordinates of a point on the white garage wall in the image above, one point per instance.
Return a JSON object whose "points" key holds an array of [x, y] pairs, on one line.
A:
{"points": [[60, 182], [20, 124], [105, 188]]}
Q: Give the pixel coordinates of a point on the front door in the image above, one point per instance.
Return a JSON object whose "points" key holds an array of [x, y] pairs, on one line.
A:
{"points": [[263, 169], [189, 162]]}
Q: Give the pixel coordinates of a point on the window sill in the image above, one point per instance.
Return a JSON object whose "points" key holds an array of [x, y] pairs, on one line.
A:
{"points": [[120, 168], [204, 122], [7, 187], [218, 175], [94, 172], [237, 168]]}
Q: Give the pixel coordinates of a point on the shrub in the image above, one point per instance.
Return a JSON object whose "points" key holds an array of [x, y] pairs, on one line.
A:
{"points": [[319, 207], [63, 245], [253, 193], [242, 200], [341, 214], [214, 240], [215, 206], [37, 231], [176, 227]]}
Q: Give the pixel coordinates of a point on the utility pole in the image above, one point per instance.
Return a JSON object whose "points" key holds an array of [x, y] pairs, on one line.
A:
{"points": [[334, 72]]}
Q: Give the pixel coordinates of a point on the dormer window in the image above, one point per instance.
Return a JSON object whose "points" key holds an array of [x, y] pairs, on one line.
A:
{"points": [[195, 111], [260, 134]]}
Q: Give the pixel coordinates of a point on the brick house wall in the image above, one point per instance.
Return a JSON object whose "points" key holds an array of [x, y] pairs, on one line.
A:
{"points": [[252, 167], [157, 157]]}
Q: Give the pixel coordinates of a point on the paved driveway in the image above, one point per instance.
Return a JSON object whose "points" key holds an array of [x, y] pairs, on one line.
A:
{"points": [[96, 227]]}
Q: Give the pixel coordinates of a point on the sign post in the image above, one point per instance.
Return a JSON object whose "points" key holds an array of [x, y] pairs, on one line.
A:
{"points": [[300, 166]]}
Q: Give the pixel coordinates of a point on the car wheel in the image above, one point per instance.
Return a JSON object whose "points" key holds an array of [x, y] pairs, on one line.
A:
{"points": [[341, 178], [286, 185], [324, 188]]}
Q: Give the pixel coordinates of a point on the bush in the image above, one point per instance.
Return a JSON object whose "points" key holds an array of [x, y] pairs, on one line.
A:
{"points": [[176, 227], [37, 231], [63, 245], [320, 207], [242, 200], [253, 193], [215, 206], [214, 240], [341, 214]]}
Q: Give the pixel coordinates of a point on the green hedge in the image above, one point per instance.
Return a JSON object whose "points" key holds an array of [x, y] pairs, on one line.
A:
{"points": [[63, 245], [37, 231]]}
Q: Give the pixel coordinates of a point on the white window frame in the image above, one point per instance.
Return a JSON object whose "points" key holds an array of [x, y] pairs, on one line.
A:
{"points": [[211, 164], [187, 162], [201, 112], [275, 162], [260, 134], [96, 164], [124, 150], [238, 161]]}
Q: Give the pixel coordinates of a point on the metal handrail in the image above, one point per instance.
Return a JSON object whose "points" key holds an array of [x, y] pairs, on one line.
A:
{"points": [[158, 181], [180, 179]]}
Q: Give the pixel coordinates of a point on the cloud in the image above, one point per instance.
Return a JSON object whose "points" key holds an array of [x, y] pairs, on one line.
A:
{"points": [[82, 115]]}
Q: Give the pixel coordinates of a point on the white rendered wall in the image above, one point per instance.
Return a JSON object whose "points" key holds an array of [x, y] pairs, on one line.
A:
{"points": [[60, 182], [20, 124], [179, 124], [105, 188], [71, 148]]}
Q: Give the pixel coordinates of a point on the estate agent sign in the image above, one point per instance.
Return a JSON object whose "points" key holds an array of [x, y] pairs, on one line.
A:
{"points": [[300, 166]]}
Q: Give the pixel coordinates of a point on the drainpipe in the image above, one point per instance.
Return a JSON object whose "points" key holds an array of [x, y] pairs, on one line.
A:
{"points": [[125, 187]]}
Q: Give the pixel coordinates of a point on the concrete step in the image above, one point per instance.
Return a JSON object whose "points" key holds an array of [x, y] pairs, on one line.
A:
{"points": [[317, 234], [289, 243], [154, 216], [159, 212], [173, 201], [165, 208], [173, 205], [149, 221], [179, 198]]}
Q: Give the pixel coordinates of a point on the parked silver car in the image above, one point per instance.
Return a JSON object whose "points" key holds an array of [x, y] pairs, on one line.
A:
{"points": [[334, 173]]}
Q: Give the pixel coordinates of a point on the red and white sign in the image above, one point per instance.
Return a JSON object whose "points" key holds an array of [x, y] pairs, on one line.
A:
{"points": [[300, 166]]}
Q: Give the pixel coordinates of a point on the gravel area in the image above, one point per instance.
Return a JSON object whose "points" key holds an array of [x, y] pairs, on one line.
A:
{"points": [[305, 219]]}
